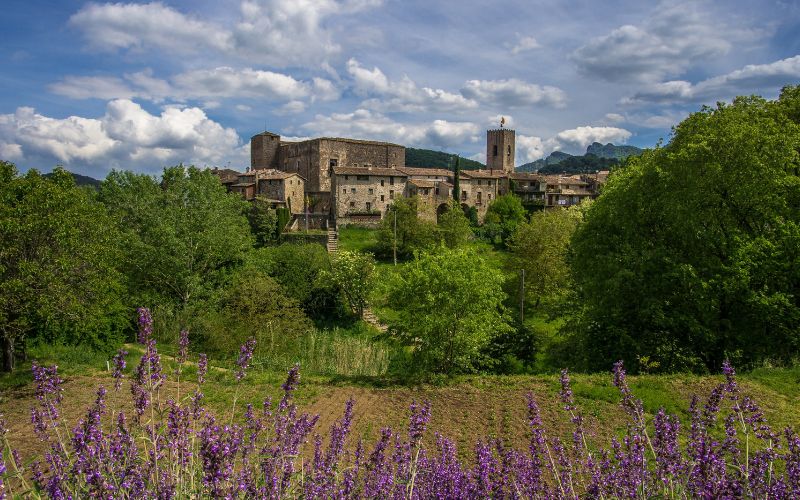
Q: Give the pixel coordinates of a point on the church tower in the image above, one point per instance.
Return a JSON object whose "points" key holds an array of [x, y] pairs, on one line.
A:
{"points": [[500, 149]]}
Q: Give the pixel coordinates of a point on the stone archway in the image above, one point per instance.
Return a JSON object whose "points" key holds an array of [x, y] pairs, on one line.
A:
{"points": [[441, 209]]}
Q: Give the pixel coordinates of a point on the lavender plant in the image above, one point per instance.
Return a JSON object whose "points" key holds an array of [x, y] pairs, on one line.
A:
{"points": [[180, 448]]}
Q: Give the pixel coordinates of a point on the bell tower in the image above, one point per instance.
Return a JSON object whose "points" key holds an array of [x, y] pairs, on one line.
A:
{"points": [[500, 149]]}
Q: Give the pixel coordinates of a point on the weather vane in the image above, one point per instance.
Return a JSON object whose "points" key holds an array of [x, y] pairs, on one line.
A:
{"points": [[502, 121]]}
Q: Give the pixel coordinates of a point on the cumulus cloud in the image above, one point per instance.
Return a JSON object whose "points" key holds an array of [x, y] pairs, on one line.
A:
{"points": [[367, 124], [494, 121], [513, 93], [403, 95], [574, 141], [126, 136], [524, 44], [275, 32], [673, 39], [753, 78], [203, 84]]}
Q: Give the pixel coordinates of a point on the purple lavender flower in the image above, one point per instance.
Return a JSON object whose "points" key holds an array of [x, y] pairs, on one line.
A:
{"points": [[245, 354], [202, 368], [49, 394], [292, 379], [145, 325], [420, 415], [119, 366], [183, 347]]}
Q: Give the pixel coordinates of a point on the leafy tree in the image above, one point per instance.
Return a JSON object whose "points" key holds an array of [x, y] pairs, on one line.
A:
{"points": [[454, 226], [540, 248], [692, 252], [180, 232], [457, 181], [57, 252], [450, 306], [504, 214], [352, 272], [263, 222], [412, 233], [298, 267]]}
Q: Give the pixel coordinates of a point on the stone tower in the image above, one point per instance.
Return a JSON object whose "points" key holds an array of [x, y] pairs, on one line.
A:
{"points": [[500, 149], [264, 150]]}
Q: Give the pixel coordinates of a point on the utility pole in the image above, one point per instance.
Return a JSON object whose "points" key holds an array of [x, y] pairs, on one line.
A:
{"points": [[394, 246], [522, 299]]}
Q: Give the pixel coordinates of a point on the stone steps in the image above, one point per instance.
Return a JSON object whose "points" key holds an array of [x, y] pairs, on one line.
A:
{"points": [[373, 320]]}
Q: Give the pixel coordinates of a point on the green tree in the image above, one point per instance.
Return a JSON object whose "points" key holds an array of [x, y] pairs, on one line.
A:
{"points": [[410, 233], [263, 222], [352, 273], [692, 252], [457, 181], [454, 226], [450, 307], [180, 232], [57, 252], [504, 214], [539, 247]]}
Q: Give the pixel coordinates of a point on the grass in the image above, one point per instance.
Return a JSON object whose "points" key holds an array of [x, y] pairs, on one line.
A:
{"points": [[359, 239]]}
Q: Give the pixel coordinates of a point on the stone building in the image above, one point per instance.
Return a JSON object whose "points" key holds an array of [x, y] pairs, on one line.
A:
{"points": [[362, 194], [280, 189]]}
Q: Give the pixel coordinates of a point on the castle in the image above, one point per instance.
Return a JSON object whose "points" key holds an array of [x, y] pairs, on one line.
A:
{"points": [[349, 181]]}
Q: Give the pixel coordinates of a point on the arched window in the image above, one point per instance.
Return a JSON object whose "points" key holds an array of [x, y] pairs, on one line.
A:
{"points": [[509, 150]]}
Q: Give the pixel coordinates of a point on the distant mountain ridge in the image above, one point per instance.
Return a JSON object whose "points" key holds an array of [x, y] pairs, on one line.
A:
{"points": [[82, 180], [437, 159], [598, 157]]}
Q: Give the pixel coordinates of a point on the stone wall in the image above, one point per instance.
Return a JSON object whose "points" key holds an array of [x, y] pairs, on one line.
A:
{"points": [[366, 191]]}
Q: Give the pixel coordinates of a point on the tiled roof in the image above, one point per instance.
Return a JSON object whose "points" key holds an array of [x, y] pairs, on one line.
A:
{"points": [[376, 171], [422, 183], [421, 171], [276, 174], [484, 174]]}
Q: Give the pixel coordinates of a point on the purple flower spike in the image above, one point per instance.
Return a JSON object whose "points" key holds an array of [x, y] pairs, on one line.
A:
{"points": [[145, 325], [420, 415], [292, 379], [202, 368], [183, 347], [245, 355], [119, 366]]}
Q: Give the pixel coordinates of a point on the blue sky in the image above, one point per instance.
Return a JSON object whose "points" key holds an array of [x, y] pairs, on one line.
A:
{"points": [[96, 86]]}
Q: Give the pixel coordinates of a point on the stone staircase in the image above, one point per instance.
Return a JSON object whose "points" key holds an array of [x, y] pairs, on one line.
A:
{"points": [[373, 320], [333, 240]]}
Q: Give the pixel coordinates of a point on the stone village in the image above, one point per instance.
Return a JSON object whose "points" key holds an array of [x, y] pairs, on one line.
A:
{"points": [[338, 181]]}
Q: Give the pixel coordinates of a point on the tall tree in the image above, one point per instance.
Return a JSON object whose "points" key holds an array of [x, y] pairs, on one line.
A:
{"points": [[352, 273], [504, 214], [450, 307], [57, 252], [692, 252], [457, 180], [409, 234], [180, 232], [454, 227]]}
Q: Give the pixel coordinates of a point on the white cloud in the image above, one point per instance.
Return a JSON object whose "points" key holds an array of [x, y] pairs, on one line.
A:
{"points": [[325, 90], [93, 87], [614, 118], [531, 148], [366, 124], [494, 121], [229, 82], [403, 95], [573, 141], [513, 93], [751, 78], [275, 32], [524, 44], [291, 108], [126, 136], [675, 38]]}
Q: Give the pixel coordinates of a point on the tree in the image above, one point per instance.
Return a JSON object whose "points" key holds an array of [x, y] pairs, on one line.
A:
{"points": [[454, 226], [57, 252], [180, 232], [412, 234], [505, 213], [692, 253], [457, 181], [351, 272], [539, 247], [450, 306], [263, 222]]}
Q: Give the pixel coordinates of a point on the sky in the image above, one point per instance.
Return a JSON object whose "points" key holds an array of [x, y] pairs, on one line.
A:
{"points": [[97, 86]]}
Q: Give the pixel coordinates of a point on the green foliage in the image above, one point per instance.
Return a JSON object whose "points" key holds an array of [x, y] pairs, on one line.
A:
{"points": [[692, 253], [179, 233], [284, 216], [351, 272], [298, 268], [503, 216], [413, 233], [449, 306], [454, 227], [57, 252], [427, 158], [263, 222]]}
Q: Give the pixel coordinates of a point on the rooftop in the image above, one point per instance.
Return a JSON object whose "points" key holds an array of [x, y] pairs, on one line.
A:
{"points": [[377, 171]]}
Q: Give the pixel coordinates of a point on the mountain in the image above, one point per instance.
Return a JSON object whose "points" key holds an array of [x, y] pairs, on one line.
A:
{"points": [[597, 157], [612, 151], [82, 180], [437, 159]]}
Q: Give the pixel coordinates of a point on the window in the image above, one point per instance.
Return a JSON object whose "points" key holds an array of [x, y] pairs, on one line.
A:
{"points": [[509, 150], [479, 182], [479, 198], [333, 163], [494, 150], [369, 207], [344, 190], [391, 194], [391, 181], [352, 204], [371, 191], [362, 177], [463, 195], [381, 197], [436, 191], [353, 190], [346, 177], [381, 182], [489, 196]]}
